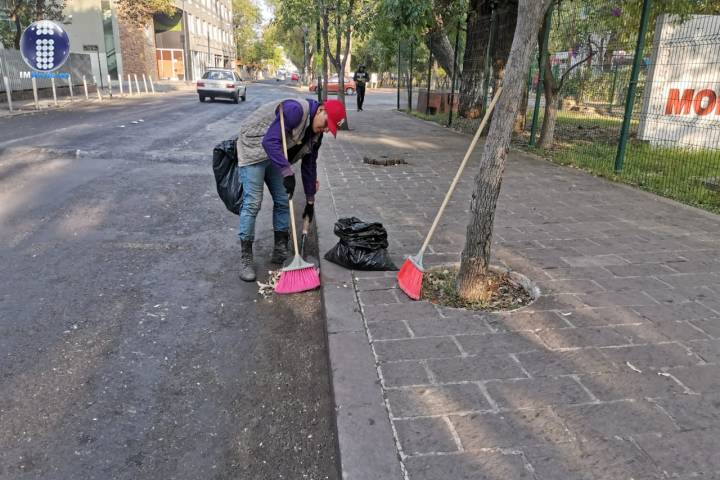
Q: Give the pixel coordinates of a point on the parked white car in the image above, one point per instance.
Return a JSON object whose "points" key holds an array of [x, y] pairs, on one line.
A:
{"points": [[221, 83]]}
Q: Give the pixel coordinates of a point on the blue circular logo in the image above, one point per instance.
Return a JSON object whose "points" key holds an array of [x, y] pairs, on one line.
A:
{"points": [[45, 46]]}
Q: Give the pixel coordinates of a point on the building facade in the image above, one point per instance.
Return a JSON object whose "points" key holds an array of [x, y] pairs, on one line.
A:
{"points": [[178, 46], [209, 27]]}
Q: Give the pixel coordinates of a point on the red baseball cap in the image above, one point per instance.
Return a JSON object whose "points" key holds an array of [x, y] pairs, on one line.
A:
{"points": [[336, 115]]}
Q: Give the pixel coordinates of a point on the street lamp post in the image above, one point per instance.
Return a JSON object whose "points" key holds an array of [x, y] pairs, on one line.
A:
{"points": [[186, 44]]}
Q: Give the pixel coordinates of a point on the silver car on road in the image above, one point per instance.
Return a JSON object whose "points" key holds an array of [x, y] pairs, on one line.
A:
{"points": [[221, 83]]}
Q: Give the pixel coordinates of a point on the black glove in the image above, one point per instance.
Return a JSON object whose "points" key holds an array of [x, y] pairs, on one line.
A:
{"points": [[289, 184], [309, 212]]}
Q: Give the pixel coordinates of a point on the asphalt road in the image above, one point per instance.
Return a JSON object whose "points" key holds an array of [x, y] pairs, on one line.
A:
{"points": [[129, 348]]}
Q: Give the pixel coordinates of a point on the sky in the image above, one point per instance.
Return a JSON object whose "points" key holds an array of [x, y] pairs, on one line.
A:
{"points": [[266, 10]]}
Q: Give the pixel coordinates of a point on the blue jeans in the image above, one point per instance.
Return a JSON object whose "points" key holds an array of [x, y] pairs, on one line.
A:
{"points": [[253, 178]]}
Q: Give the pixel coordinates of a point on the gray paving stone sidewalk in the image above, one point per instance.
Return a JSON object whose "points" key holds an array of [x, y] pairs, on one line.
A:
{"points": [[613, 373]]}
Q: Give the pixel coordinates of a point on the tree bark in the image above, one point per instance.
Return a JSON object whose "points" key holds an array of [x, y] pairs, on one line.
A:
{"points": [[551, 91], [506, 22], [18, 32], [340, 57], [475, 260], [478, 35], [521, 117], [439, 44], [39, 9], [325, 54], [306, 57], [547, 135]]}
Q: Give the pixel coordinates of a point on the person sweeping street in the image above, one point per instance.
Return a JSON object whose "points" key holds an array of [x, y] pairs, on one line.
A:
{"points": [[261, 161], [361, 77]]}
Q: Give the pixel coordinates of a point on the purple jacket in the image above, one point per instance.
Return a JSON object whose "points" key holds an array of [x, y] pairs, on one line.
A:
{"points": [[272, 143]]}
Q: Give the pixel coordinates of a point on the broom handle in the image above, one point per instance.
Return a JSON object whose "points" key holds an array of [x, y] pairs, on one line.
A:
{"points": [[290, 202], [459, 172]]}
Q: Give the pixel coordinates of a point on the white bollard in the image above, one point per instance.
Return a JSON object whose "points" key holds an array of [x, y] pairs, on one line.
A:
{"points": [[52, 83], [121, 87], [8, 93], [152, 87], [87, 97], [145, 83], [137, 84], [109, 85], [129, 85], [97, 88], [35, 94], [72, 98]]}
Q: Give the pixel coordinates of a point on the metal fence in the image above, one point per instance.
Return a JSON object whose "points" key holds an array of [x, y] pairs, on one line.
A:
{"points": [[13, 66], [632, 95], [78, 80]]}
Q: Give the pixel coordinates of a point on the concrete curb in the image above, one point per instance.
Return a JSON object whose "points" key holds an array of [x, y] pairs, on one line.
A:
{"points": [[366, 445], [29, 109]]}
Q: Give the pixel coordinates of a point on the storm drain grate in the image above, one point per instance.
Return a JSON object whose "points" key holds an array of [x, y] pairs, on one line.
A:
{"points": [[385, 161]]}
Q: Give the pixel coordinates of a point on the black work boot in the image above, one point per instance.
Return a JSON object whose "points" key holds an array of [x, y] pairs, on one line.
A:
{"points": [[247, 266], [280, 252]]}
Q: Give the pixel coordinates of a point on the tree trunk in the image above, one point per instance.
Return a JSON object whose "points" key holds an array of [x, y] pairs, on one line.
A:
{"points": [[478, 35], [438, 43], [306, 57], [337, 61], [340, 58], [551, 90], [343, 62], [15, 17], [547, 135], [475, 260], [521, 117], [326, 50], [39, 9], [506, 22]]}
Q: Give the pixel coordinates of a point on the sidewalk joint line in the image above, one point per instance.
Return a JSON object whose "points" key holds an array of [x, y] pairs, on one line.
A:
{"points": [[483, 389], [453, 432], [585, 389], [519, 364]]}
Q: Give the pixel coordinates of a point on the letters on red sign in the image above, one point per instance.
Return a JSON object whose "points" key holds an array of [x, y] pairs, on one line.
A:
{"points": [[702, 95], [680, 105], [676, 105]]}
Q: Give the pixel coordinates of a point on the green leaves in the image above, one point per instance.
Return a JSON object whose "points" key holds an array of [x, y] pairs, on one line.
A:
{"points": [[139, 12]]}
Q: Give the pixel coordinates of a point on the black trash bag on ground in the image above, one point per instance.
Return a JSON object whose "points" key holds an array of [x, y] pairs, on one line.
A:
{"points": [[362, 246], [225, 166]]}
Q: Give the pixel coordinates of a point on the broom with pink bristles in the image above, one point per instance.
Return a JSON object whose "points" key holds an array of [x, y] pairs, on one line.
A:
{"points": [[299, 275], [410, 276]]}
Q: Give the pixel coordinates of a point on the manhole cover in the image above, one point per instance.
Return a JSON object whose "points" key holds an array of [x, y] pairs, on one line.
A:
{"points": [[385, 161]]}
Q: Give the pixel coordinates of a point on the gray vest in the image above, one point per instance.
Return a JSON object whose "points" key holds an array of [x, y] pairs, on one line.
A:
{"points": [[255, 126]]}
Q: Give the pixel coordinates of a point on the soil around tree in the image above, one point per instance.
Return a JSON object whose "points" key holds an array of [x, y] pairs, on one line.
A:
{"points": [[504, 292]]}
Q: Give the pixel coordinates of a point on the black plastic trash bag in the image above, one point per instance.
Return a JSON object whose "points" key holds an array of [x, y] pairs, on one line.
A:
{"points": [[362, 246], [225, 166]]}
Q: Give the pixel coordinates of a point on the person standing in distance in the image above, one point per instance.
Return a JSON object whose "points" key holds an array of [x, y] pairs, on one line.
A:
{"points": [[261, 161], [361, 77]]}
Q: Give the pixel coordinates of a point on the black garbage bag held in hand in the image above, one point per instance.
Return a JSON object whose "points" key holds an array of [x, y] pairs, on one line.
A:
{"points": [[362, 246], [225, 168]]}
